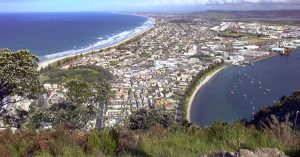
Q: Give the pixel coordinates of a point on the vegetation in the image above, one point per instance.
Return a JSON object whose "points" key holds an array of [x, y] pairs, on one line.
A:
{"points": [[286, 110], [255, 40], [66, 114], [143, 119], [193, 141], [155, 140], [87, 92], [59, 63], [59, 142], [84, 100], [18, 77], [238, 35], [85, 73]]}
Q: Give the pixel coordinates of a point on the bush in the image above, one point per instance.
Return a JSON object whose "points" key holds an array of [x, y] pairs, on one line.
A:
{"points": [[193, 141], [104, 141], [144, 119]]}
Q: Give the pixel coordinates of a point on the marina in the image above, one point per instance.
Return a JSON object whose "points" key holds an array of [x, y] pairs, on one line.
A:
{"points": [[239, 92]]}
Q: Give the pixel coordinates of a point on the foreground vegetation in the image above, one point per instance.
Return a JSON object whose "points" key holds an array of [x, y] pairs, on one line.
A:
{"points": [[177, 140], [154, 133]]}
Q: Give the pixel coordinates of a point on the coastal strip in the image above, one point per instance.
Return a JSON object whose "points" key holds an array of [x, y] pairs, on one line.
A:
{"points": [[204, 79], [258, 59], [45, 63]]}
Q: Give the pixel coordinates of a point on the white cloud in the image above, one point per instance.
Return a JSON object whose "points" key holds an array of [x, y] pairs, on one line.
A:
{"points": [[209, 2]]}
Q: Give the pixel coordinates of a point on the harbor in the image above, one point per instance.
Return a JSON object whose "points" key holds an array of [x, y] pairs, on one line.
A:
{"points": [[238, 92]]}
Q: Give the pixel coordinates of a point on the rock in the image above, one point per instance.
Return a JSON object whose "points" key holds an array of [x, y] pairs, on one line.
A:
{"points": [[262, 152], [221, 154]]}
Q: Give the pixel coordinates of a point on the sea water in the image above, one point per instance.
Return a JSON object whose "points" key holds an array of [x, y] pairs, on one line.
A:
{"points": [[239, 92], [51, 35]]}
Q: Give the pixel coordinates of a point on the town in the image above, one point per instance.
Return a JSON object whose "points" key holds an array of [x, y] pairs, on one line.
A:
{"points": [[154, 70]]}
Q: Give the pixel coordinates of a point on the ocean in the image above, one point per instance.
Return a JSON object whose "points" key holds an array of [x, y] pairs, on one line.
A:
{"points": [[52, 35], [238, 92]]}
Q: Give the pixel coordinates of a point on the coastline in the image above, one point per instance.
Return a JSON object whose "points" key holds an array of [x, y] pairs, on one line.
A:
{"points": [[254, 60], [200, 84], [45, 63]]}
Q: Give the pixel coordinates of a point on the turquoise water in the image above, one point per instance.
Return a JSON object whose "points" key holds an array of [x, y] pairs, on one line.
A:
{"points": [[238, 92]]}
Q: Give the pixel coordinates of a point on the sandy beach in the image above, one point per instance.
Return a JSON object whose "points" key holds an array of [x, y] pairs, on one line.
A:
{"points": [[201, 83], [45, 63]]}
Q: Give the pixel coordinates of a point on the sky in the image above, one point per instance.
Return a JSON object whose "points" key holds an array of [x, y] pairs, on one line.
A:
{"points": [[143, 5]]}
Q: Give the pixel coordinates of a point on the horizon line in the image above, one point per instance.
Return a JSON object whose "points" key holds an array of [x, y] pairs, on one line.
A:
{"points": [[224, 10]]}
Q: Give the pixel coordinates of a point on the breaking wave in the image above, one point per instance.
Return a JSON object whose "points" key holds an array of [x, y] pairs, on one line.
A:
{"points": [[104, 41]]}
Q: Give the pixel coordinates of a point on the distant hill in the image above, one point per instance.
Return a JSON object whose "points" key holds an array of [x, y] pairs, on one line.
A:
{"points": [[273, 15]]}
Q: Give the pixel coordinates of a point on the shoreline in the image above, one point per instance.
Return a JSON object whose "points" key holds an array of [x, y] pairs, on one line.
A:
{"points": [[264, 58], [200, 84], [254, 60], [204, 80], [45, 63]]}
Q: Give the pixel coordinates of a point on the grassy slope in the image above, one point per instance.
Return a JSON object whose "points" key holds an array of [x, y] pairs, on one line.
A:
{"points": [[196, 141], [156, 141]]}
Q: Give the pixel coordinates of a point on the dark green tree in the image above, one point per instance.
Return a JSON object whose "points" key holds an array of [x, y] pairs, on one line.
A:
{"points": [[144, 119], [64, 114], [79, 92], [19, 76], [102, 95], [86, 102]]}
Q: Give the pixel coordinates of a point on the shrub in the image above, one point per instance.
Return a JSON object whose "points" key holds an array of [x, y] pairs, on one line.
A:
{"points": [[144, 119], [105, 141]]}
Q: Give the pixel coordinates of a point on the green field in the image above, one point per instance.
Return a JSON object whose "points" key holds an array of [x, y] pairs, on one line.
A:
{"points": [[255, 40], [237, 35], [86, 73]]}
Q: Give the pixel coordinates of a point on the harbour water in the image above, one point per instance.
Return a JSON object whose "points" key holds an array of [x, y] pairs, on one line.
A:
{"points": [[52, 35], [238, 92]]}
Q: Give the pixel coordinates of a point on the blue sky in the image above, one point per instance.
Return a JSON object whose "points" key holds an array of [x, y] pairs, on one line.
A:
{"points": [[142, 5]]}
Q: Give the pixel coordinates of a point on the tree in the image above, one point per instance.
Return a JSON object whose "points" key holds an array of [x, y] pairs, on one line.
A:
{"points": [[145, 119], [79, 91], [19, 76], [66, 114], [85, 103], [102, 95], [287, 105], [95, 93]]}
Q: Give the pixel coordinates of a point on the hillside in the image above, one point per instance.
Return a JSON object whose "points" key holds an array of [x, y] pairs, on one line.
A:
{"points": [[154, 133]]}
